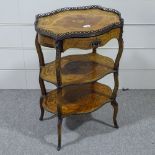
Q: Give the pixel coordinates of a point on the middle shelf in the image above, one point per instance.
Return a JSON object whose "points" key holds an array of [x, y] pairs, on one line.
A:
{"points": [[79, 69]]}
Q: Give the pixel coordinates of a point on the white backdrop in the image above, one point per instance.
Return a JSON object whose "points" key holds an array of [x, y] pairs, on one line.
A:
{"points": [[18, 58]]}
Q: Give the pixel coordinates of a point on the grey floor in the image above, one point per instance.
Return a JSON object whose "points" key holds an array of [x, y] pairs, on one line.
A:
{"points": [[21, 132]]}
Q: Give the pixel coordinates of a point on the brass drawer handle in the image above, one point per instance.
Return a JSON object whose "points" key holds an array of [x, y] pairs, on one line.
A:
{"points": [[95, 43]]}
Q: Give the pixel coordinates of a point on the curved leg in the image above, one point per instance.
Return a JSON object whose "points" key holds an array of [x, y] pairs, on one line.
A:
{"points": [[43, 91], [42, 86], [59, 49], [114, 103], [116, 86], [59, 133], [41, 82], [116, 79], [42, 110], [42, 63], [115, 107]]}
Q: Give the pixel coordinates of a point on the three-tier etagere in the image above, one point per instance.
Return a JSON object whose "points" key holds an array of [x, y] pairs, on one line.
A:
{"points": [[76, 76]]}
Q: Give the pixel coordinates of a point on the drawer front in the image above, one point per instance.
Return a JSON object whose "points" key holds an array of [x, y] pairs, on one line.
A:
{"points": [[92, 42], [82, 43]]}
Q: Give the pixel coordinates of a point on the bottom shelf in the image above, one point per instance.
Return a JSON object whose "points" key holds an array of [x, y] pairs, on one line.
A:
{"points": [[78, 99]]}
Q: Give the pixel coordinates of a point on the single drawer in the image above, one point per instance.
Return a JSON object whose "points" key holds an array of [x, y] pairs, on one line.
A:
{"points": [[92, 42], [82, 43]]}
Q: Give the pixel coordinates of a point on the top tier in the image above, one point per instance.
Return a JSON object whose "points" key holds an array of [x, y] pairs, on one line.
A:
{"points": [[78, 22]]}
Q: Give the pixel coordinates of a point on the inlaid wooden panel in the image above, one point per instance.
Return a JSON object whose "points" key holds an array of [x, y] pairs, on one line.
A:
{"points": [[86, 43], [78, 99], [82, 43], [78, 69], [77, 21]]}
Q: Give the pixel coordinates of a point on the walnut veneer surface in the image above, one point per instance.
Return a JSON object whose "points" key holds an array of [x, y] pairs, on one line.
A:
{"points": [[78, 99], [78, 69], [75, 20]]}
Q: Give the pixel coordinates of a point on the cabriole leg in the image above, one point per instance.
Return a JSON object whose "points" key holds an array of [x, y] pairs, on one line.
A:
{"points": [[42, 86], [114, 102], [116, 79], [42, 109], [115, 107], [41, 82], [59, 49], [41, 63], [43, 91], [59, 127]]}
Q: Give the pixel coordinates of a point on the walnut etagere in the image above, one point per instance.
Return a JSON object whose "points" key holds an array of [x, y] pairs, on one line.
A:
{"points": [[76, 76]]}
